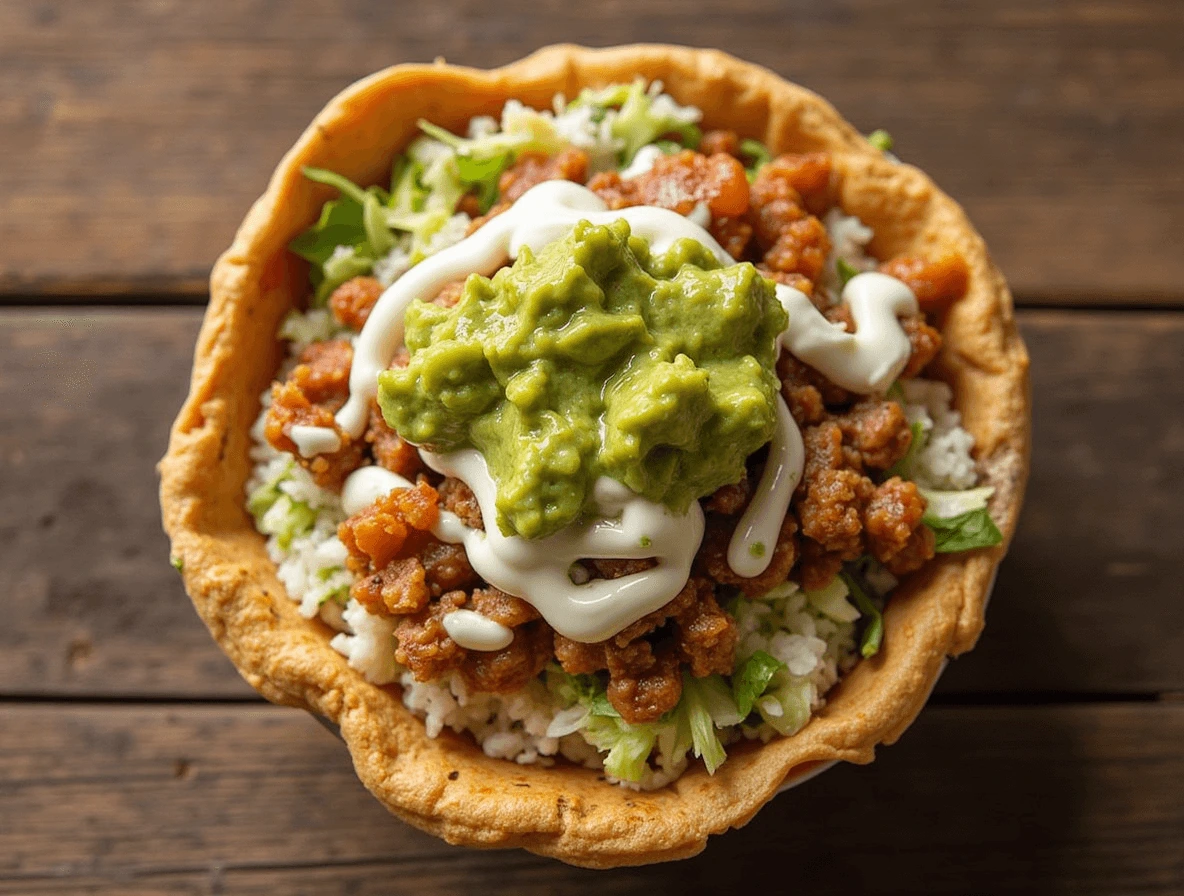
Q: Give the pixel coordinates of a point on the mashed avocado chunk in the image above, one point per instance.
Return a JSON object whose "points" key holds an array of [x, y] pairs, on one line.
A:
{"points": [[594, 359]]}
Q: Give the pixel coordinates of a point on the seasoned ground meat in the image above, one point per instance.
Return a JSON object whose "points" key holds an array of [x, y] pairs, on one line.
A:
{"points": [[720, 141], [713, 555], [892, 515], [801, 248], [878, 430], [385, 543], [423, 644], [680, 182], [937, 283], [352, 302], [729, 499], [388, 449], [425, 647], [926, 343], [706, 635], [643, 661], [457, 497], [830, 511], [533, 168], [446, 566], [807, 392], [733, 234], [644, 684], [578, 658], [450, 294], [313, 392], [512, 667]]}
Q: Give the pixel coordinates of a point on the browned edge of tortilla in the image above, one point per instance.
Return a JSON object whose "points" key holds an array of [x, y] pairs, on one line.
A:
{"points": [[447, 786]]}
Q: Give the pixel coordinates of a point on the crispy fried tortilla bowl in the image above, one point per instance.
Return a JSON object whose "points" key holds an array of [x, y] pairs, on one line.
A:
{"points": [[447, 786]]}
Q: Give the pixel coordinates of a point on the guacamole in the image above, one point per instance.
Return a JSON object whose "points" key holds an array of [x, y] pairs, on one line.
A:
{"points": [[592, 359]]}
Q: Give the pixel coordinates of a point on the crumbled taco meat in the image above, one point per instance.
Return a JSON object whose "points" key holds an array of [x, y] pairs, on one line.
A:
{"points": [[313, 392], [936, 282], [352, 302], [680, 182], [714, 142], [843, 508]]}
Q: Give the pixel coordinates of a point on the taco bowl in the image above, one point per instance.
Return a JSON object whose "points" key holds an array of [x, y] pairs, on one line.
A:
{"points": [[445, 784]]}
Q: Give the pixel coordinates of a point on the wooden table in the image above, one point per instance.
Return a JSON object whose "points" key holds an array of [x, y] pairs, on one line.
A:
{"points": [[133, 759]]}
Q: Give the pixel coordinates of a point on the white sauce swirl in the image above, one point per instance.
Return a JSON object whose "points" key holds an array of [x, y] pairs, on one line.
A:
{"points": [[313, 440], [473, 631], [631, 527], [538, 570], [867, 360]]}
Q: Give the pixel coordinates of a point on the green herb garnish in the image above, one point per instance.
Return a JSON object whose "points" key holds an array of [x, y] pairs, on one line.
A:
{"points": [[881, 140], [751, 678], [846, 271], [964, 532], [873, 634]]}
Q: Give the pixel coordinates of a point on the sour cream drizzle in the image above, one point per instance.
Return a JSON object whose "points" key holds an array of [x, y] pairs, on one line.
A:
{"points": [[631, 527], [313, 440], [539, 570]]}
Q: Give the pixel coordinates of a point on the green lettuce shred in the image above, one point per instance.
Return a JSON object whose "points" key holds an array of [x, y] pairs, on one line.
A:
{"points": [[964, 532], [845, 270], [873, 634], [904, 467], [786, 705], [636, 122], [881, 140], [757, 156], [752, 678], [949, 504]]}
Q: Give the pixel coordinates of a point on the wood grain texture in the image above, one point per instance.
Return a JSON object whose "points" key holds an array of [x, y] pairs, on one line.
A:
{"points": [[93, 608], [93, 605], [136, 134], [250, 800]]}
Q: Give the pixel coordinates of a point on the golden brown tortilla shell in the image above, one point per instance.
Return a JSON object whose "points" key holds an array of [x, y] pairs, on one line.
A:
{"points": [[446, 785]]}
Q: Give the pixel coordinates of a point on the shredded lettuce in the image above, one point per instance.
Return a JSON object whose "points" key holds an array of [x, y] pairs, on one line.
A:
{"points": [[277, 513], [964, 532], [340, 224], [873, 634], [706, 703], [751, 679], [949, 504], [480, 162], [786, 706], [904, 467], [881, 140], [757, 155], [348, 237], [845, 270], [638, 115], [831, 601], [287, 519], [263, 497], [628, 746]]}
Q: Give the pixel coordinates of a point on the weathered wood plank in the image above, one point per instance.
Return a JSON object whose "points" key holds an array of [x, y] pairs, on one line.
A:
{"points": [[90, 601], [252, 800], [136, 134], [1083, 604]]}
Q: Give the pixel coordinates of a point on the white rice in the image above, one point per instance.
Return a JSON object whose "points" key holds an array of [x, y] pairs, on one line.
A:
{"points": [[945, 462]]}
